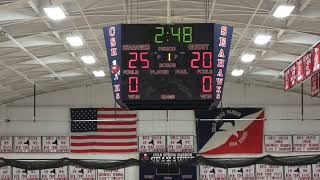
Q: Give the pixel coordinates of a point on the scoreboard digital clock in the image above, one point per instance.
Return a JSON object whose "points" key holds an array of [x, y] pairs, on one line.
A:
{"points": [[168, 66]]}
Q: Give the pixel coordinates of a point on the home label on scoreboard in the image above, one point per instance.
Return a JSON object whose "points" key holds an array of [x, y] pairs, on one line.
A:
{"points": [[275, 143], [23, 174], [152, 143], [298, 172], [268, 172], [168, 66], [117, 174], [212, 173], [27, 144], [241, 173], [76, 173], [180, 143], [305, 143], [6, 144], [55, 144], [55, 174], [5, 173]]}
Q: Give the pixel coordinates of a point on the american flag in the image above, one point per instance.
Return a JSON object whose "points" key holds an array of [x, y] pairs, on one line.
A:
{"points": [[113, 130]]}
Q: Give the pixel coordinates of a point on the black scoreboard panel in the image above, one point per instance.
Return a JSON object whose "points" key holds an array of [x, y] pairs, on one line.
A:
{"points": [[156, 66]]}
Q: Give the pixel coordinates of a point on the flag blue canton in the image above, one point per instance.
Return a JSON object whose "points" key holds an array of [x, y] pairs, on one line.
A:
{"points": [[80, 117]]}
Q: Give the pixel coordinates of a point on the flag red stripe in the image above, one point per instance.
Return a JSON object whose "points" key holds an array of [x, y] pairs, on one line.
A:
{"points": [[103, 137], [113, 109], [116, 130], [116, 116], [116, 122], [104, 151], [105, 144]]}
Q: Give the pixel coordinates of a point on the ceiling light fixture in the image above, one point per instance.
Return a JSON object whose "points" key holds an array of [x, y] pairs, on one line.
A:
{"points": [[55, 13], [88, 59], [248, 57], [99, 73], [237, 72], [74, 40], [283, 11], [262, 39]]}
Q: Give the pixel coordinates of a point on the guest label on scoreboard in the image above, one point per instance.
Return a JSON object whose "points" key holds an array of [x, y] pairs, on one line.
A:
{"points": [[78, 173], [180, 143], [298, 172], [21, 174], [6, 144], [111, 174], [241, 173], [5, 173], [27, 144], [55, 174], [55, 144], [278, 143], [268, 172], [212, 173], [316, 171], [306, 143], [152, 143]]}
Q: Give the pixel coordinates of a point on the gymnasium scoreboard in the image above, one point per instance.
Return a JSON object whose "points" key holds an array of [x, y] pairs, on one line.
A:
{"points": [[168, 66]]}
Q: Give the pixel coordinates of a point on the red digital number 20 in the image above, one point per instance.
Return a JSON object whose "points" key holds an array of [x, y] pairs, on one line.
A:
{"points": [[204, 55]]}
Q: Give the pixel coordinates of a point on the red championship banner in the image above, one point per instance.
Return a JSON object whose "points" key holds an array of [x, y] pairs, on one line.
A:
{"points": [[55, 174], [212, 173], [306, 143], [180, 143], [5, 173], [27, 144], [316, 171], [316, 58], [6, 144], [293, 77], [297, 172], [242, 173], [152, 143], [286, 81], [277, 143], [315, 84], [78, 173], [300, 73], [111, 174], [308, 64], [21, 174], [268, 172], [55, 144]]}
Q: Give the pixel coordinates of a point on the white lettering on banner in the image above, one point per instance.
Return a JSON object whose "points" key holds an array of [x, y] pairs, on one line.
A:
{"points": [[316, 65], [27, 144], [241, 173], [152, 143], [265, 172], [219, 81], [212, 173], [298, 172], [117, 174], [113, 42], [112, 31], [316, 171], [218, 89], [223, 42], [5, 173], [6, 144], [220, 63], [304, 143], [76, 173], [180, 143], [56, 173], [220, 74], [114, 51], [25, 174], [221, 54], [55, 144], [224, 31], [278, 143]]}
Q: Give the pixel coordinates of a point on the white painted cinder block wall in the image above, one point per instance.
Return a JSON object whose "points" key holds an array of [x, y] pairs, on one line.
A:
{"points": [[52, 116]]}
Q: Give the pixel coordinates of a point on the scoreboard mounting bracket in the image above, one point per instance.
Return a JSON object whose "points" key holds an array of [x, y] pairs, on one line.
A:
{"points": [[168, 66]]}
